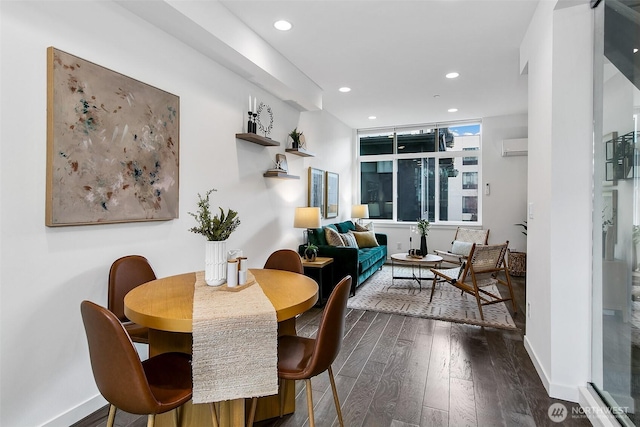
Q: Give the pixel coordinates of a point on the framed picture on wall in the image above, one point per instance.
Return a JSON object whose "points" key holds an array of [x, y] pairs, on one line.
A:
{"points": [[609, 175], [609, 149], [316, 189], [611, 163], [112, 146], [610, 213], [331, 195]]}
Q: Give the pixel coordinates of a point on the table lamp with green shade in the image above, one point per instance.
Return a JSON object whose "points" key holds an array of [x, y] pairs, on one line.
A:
{"points": [[306, 218]]}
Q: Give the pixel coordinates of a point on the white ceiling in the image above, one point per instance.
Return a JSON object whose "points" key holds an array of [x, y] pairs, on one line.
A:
{"points": [[394, 54]]}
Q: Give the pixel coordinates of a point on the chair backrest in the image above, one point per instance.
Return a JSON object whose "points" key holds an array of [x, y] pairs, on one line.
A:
{"points": [[125, 274], [116, 365], [488, 258], [469, 235], [285, 259], [331, 330]]}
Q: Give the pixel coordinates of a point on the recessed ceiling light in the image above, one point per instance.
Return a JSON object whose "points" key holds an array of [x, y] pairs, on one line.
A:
{"points": [[436, 96], [345, 89], [372, 117], [452, 75], [452, 110], [282, 25]]}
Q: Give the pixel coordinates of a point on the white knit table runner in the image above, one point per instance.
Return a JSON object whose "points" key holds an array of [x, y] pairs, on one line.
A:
{"points": [[235, 344]]}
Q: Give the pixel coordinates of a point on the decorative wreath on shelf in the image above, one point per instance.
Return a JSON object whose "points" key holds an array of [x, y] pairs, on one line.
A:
{"points": [[263, 111]]}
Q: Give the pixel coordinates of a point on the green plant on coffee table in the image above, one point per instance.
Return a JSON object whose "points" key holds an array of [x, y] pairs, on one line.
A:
{"points": [[214, 227], [423, 227]]}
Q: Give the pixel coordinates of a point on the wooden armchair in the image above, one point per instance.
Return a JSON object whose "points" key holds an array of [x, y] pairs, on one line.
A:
{"points": [[461, 245], [482, 268]]}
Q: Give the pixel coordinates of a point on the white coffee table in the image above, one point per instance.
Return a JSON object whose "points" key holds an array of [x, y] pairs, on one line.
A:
{"points": [[429, 261]]}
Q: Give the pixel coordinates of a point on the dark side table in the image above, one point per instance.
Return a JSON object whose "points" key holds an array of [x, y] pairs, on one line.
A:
{"points": [[320, 270]]}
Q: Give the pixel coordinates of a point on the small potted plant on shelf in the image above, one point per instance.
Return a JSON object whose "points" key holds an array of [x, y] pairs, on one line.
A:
{"points": [[310, 252], [216, 229], [295, 138]]}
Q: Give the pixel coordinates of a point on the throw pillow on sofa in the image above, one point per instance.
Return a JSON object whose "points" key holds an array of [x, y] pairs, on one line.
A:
{"points": [[349, 240], [365, 227], [365, 239], [333, 237]]}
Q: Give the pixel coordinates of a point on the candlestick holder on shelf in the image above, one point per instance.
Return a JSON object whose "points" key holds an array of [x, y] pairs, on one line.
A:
{"points": [[255, 125], [250, 123]]}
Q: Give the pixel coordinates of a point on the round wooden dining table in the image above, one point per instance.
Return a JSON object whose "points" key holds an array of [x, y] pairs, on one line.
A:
{"points": [[165, 306]]}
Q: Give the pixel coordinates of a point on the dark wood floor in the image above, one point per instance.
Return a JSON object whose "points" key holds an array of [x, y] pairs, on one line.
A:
{"points": [[396, 371]]}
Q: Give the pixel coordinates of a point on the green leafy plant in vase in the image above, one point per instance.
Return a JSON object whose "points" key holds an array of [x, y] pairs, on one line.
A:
{"points": [[216, 229], [423, 231]]}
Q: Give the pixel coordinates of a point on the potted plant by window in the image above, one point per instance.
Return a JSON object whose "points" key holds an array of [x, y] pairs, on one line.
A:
{"points": [[216, 229], [518, 260]]}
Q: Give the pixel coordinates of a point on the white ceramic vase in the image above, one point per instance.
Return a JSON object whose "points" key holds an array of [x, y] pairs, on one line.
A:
{"points": [[215, 263]]}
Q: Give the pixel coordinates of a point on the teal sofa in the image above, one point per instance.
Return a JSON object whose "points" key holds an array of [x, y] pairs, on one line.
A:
{"points": [[360, 264]]}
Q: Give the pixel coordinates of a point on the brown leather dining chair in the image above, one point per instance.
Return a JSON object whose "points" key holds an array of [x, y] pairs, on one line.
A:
{"points": [[285, 259], [125, 274], [301, 358], [159, 384]]}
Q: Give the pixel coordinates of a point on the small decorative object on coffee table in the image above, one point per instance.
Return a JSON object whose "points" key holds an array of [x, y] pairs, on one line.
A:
{"points": [[415, 254]]}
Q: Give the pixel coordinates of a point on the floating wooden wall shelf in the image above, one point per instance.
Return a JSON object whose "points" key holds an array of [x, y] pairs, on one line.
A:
{"points": [[302, 153], [257, 139], [282, 175]]}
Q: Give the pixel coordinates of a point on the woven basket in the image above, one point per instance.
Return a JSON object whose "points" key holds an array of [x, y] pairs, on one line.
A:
{"points": [[517, 263]]}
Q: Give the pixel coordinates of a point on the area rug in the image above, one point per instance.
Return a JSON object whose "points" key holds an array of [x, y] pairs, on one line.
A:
{"points": [[403, 296]]}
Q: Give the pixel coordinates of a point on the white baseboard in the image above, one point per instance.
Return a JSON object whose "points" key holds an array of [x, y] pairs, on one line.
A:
{"points": [[557, 391], [536, 364], [77, 413]]}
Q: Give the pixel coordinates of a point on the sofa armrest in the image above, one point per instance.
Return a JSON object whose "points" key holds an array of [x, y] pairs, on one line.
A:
{"points": [[382, 239], [348, 255], [345, 261]]}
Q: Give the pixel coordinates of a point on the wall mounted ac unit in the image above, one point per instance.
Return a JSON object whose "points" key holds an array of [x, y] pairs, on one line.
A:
{"points": [[515, 147]]}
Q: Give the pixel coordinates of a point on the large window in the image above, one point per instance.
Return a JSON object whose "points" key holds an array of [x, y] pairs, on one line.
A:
{"points": [[421, 172]]}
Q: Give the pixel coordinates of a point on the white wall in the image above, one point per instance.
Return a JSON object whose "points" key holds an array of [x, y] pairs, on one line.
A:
{"points": [[46, 272], [557, 51], [506, 204]]}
